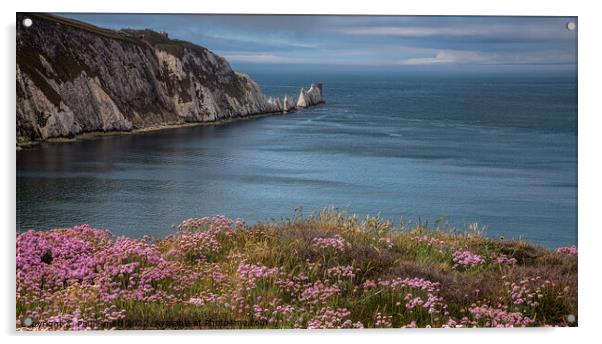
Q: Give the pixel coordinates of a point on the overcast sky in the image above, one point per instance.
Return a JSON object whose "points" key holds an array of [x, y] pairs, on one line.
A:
{"points": [[362, 42]]}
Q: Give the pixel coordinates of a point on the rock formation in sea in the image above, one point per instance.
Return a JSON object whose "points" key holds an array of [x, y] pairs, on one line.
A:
{"points": [[73, 78], [311, 97], [289, 104], [275, 102]]}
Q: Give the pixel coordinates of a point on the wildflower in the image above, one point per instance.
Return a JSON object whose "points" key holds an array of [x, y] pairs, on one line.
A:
{"points": [[205, 298], [466, 259], [332, 318], [341, 271], [337, 243], [503, 259], [497, 317], [218, 224], [429, 241], [318, 293], [567, 250], [385, 321], [250, 273]]}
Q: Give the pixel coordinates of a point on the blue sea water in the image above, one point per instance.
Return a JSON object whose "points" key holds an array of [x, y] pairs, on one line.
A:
{"points": [[500, 151]]}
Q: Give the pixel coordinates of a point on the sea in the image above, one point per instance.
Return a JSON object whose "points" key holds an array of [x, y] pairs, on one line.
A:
{"points": [[444, 150]]}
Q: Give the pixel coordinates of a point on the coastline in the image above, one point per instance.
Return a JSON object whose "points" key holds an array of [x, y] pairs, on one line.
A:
{"points": [[91, 135], [134, 89]]}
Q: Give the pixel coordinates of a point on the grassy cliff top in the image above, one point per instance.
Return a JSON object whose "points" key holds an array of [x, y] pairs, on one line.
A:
{"points": [[135, 36], [73, 23], [324, 271]]}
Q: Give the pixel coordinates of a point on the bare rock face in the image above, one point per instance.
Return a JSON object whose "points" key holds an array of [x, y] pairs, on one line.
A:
{"points": [[315, 95], [276, 104], [73, 78], [303, 100], [311, 97], [289, 104]]}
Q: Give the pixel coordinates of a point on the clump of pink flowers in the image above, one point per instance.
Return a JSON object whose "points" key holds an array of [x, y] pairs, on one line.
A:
{"points": [[319, 293], [496, 317], [205, 298], [420, 294], [383, 321], [503, 259], [251, 273], [341, 271], [466, 259], [428, 240], [567, 250], [401, 283], [333, 318], [212, 224], [529, 292], [83, 273], [197, 244], [337, 243], [274, 312]]}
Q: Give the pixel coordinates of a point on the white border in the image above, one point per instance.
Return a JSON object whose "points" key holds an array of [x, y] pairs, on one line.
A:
{"points": [[590, 132]]}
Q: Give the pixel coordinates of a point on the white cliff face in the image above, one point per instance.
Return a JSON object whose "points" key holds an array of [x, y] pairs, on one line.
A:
{"points": [[289, 104], [73, 78], [315, 95], [311, 97], [276, 104], [303, 100]]}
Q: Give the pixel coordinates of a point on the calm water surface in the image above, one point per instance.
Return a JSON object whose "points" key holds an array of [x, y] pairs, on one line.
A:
{"points": [[498, 151]]}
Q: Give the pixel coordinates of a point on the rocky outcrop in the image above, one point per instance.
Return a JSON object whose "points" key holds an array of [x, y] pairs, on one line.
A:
{"points": [[311, 97], [289, 104], [73, 78]]}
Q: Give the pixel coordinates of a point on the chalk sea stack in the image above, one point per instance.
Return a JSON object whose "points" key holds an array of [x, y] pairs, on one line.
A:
{"points": [[310, 97], [74, 78]]}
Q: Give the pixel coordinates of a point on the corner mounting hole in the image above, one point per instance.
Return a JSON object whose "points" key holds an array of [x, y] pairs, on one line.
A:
{"points": [[571, 26], [27, 22]]}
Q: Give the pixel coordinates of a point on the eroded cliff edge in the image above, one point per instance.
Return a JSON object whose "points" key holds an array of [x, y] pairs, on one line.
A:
{"points": [[74, 78]]}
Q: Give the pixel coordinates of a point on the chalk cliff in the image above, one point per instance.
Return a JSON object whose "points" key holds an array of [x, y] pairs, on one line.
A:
{"points": [[73, 78], [313, 96], [289, 104]]}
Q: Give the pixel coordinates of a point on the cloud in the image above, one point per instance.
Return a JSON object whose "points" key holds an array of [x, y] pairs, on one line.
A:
{"points": [[515, 31], [266, 58], [392, 41], [261, 39], [332, 58], [251, 57], [410, 31], [447, 57]]}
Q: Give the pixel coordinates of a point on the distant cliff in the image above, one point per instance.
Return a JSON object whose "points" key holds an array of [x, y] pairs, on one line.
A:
{"points": [[73, 78]]}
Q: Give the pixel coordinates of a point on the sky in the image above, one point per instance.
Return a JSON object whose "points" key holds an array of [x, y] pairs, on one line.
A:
{"points": [[389, 43]]}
